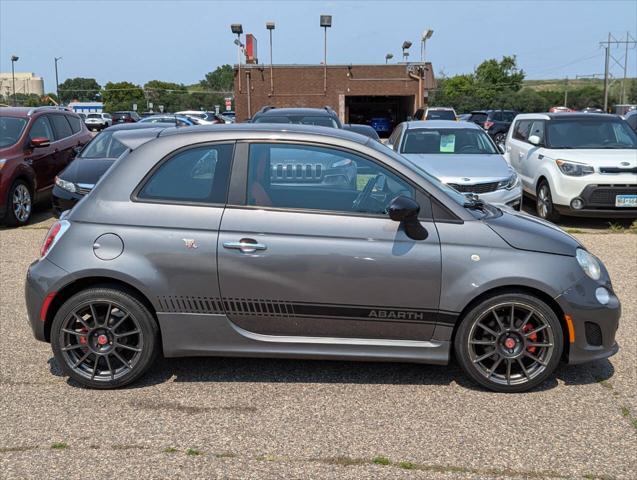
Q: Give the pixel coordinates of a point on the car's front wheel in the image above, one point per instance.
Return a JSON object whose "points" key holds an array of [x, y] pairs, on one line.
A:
{"points": [[509, 343], [544, 203], [104, 338], [20, 204]]}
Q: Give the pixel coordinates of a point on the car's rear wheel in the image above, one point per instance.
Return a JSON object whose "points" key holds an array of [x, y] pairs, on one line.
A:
{"points": [[500, 139], [20, 204], [544, 203], [104, 338], [509, 343]]}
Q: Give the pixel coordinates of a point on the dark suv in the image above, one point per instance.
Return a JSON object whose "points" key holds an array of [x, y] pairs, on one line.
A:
{"points": [[35, 144], [495, 122], [125, 117], [323, 117]]}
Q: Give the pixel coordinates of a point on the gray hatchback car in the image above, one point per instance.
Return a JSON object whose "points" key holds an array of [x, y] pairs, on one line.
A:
{"points": [[187, 247]]}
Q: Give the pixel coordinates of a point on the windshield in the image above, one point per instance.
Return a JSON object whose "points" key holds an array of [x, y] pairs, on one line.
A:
{"points": [[300, 119], [11, 129], [103, 146], [441, 115], [447, 140], [452, 193], [590, 133]]}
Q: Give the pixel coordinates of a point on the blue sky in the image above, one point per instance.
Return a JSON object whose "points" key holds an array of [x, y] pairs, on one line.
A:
{"points": [[181, 40]]}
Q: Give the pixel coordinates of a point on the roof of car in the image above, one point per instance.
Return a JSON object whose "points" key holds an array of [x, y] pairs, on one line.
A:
{"points": [[441, 124], [139, 125], [295, 111], [28, 111], [493, 110], [269, 128], [446, 109], [565, 115]]}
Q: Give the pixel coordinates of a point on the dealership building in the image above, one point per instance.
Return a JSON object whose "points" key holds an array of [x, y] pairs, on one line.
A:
{"points": [[357, 93]]}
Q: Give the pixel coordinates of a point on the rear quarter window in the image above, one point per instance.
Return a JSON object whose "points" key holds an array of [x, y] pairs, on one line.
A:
{"points": [[75, 122], [195, 175]]}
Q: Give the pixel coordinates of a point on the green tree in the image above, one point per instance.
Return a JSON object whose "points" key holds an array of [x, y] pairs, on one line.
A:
{"points": [[122, 96], [499, 75], [221, 80], [80, 89], [172, 96]]}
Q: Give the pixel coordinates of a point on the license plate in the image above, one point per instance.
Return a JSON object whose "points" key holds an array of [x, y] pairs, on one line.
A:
{"points": [[626, 201]]}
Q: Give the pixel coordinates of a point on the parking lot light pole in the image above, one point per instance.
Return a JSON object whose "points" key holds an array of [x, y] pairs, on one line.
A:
{"points": [[406, 46], [270, 27], [426, 35], [14, 58], [326, 22], [388, 57], [237, 29], [57, 85]]}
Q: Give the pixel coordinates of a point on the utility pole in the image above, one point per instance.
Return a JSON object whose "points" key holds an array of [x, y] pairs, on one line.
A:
{"points": [[566, 93], [606, 67], [270, 26], [622, 62], [57, 84]]}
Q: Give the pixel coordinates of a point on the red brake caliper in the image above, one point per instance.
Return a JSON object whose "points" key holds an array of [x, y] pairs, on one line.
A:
{"points": [[83, 340], [533, 337]]}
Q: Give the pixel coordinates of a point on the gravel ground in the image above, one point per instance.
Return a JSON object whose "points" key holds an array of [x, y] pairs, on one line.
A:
{"points": [[236, 418]]}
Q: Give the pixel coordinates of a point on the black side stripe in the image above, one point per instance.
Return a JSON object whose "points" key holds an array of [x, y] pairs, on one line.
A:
{"points": [[280, 308]]}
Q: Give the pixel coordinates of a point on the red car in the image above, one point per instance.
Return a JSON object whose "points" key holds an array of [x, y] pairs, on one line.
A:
{"points": [[35, 144]]}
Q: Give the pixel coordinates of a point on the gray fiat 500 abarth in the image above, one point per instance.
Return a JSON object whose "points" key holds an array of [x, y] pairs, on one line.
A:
{"points": [[191, 245]]}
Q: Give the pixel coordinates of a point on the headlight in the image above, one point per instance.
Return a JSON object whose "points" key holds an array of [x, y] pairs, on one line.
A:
{"points": [[510, 183], [64, 185], [574, 169], [589, 264]]}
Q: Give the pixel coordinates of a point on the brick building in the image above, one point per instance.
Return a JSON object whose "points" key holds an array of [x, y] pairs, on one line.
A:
{"points": [[356, 92]]}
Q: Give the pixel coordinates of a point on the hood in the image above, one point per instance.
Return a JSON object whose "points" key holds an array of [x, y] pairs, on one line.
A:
{"points": [[458, 168], [606, 157], [525, 232], [86, 170]]}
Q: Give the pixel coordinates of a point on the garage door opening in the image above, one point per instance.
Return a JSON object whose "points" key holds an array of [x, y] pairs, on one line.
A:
{"points": [[383, 113]]}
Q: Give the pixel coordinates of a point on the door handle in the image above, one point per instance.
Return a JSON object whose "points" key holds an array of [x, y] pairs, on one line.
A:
{"points": [[246, 245]]}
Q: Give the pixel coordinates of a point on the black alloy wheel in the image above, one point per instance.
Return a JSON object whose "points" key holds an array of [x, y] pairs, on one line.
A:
{"points": [[509, 343], [104, 338]]}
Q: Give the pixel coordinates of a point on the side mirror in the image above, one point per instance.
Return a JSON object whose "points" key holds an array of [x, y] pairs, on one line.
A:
{"points": [[500, 149], [40, 142], [405, 210], [77, 149], [535, 140]]}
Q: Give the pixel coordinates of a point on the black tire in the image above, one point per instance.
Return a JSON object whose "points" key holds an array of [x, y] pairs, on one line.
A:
{"points": [[499, 138], [12, 219], [514, 370], [132, 364], [544, 203]]}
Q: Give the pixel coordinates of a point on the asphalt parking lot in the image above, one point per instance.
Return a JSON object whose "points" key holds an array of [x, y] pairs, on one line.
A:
{"points": [[237, 418]]}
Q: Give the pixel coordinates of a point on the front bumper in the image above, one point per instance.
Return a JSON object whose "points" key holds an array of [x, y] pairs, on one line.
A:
{"points": [[63, 200], [594, 324], [42, 278], [599, 200], [511, 198]]}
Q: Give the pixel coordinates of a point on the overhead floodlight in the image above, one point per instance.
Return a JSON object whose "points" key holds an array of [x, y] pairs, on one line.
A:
{"points": [[269, 25], [426, 35], [236, 28], [326, 21], [406, 44]]}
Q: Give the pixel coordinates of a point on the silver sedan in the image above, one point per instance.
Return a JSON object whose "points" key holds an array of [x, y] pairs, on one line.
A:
{"points": [[461, 155]]}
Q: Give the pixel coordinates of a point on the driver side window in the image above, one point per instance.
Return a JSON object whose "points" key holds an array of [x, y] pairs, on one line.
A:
{"points": [[317, 178]]}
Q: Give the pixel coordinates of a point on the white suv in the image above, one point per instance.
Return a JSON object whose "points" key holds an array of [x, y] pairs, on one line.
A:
{"points": [[98, 121], [580, 164]]}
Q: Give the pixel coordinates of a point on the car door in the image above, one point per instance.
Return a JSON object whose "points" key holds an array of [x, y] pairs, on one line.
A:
{"points": [[43, 159], [63, 142], [517, 147], [531, 158], [316, 259]]}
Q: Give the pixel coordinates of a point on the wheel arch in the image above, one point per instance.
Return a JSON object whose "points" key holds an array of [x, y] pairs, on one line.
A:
{"points": [[535, 292], [80, 284]]}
